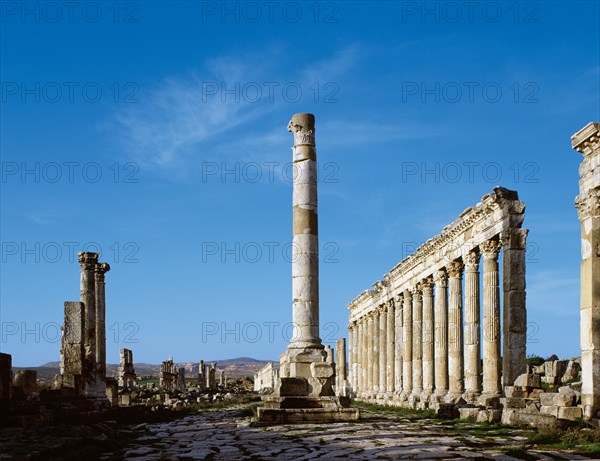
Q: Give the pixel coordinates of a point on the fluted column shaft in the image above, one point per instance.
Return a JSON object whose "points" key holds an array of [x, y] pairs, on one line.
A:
{"points": [[472, 327], [390, 337], [100, 286], [417, 337], [375, 351], [491, 319], [382, 349], [369, 347], [428, 365], [455, 339], [399, 344], [407, 344], [441, 332]]}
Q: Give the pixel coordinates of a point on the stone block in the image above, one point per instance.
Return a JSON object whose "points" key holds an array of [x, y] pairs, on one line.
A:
{"points": [[26, 380], [528, 380], [293, 387], [321, 370], [547, 398], [564, 400], [468, 413], [535, 393], [570, 413], [551, 410], [508, 402], [517, 417], [515, 392]]}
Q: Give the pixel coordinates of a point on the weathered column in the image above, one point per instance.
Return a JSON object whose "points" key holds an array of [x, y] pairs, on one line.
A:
{"points": [[358, 377], [365, 356], [491, 319], [340, 367], [514, 313], [73, 355], [587, 142], [375, 353], [399, 344], [88, 262], [305, 245], [351, 348], [390, 334], [369, 344], [407, 345], [382, 349], [455, 340], [428, 365], [417, 337], [472, 325], [441, 333], [99, 275]]}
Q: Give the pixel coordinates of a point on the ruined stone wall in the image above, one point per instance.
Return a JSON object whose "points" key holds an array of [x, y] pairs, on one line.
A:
{"points": [[416, 337], [266, 378]]}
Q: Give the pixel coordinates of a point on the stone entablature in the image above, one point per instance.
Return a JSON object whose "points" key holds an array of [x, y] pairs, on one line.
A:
{"points": [[420, 309]]}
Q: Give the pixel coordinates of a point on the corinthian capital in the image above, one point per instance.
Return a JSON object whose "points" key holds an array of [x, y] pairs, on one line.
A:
{"points": [[87, 260], [100, 270], [427, 286], [490, 249], [472, 260], [455, 268]]}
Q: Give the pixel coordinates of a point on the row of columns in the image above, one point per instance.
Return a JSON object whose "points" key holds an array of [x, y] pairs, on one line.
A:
{"points": [[415, 345]]}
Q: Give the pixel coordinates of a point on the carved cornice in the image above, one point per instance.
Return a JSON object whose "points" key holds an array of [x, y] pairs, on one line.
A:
{"points": [[489, 203], [588, 205], [587, 140]]}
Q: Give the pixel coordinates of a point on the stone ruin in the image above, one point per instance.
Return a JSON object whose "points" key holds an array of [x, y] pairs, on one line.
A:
{"points": [[415, 339], [126, 374], [266, 378], [83, 343], [169, 376]]}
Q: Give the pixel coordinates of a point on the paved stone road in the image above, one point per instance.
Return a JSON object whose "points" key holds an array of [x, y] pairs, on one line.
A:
{"points": [[227, 435]]}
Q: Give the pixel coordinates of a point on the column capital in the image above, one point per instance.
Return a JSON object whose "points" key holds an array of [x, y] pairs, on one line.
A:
{"points": [[417, 292], [588, 205], [381, 309], [302, 125], [587, 140], [441, 278], [472, 260], [390, 303], [407, 295], [427, 286], [87, 260], [99, 270], [455, 268], [490, 249]]}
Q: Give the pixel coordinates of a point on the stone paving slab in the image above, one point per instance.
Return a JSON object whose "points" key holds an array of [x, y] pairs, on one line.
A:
{"points": [[228, 434]]}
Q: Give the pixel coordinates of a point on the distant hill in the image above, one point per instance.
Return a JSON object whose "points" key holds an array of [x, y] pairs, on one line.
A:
{"points": [[234, 368]]}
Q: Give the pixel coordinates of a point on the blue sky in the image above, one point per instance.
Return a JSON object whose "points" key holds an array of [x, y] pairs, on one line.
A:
{"points": [[157, 133]]}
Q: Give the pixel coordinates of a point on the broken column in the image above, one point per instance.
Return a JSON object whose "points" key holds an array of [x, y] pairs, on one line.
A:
{"points": [[587, 142], [340, 367], [5, 376], [212, 377], [26, 381], [202, 376], [100, 327], [305, 376], [72, 351], [181, 380], [126, 370], [222, 380], [88, 262]]}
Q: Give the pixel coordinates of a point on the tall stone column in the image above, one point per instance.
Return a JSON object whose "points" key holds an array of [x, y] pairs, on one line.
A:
{"points": [[491, 319], [88, 262], [472, 326], [99, 274], [407, 363], [441, 333], [399, 344], [369, 344], [417, 306], [352, 351], [455, 337], [340, 367], [375, 353], [587, 142], [428, 365], [382, 349], [514, 313], [359, 357], [390, 348], [305, 245]]}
